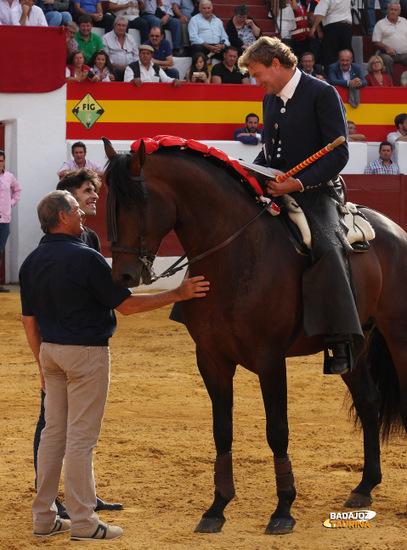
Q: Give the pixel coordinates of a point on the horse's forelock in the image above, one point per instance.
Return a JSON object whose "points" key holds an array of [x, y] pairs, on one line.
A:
{"points": [[120, 183]]}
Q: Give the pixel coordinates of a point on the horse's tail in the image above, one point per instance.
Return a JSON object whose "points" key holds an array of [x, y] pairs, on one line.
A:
{"points": [[384, 375]]}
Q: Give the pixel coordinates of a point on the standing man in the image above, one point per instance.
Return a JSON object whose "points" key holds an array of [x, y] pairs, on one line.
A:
{"points": [[226, 72], [390, 37], [10, 193], [300, 116], [68, 299], [120, 46], [79, 161], [84, 187], [250, 134], [336, 17], [384, 164]]}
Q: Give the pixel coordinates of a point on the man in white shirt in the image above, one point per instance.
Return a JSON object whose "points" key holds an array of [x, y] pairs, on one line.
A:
{"points": [[27, 15], [145, 70], [5, 10], [336, 18], [401, 135], [131, 11], [120, 46], [390, 37]]}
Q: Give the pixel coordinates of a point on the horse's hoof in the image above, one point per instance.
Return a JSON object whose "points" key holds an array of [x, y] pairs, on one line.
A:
{"points": [[210, 525], [280, 526], [357, 500]]}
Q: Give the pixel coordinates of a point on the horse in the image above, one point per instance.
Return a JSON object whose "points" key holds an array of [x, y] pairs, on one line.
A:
{"points": [[252, 315]]}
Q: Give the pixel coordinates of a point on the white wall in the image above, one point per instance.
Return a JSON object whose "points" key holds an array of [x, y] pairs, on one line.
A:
{"points": [[35, 126]]}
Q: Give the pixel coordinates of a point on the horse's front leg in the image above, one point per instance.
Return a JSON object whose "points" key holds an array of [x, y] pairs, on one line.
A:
{"points": [[274, 388], [218, 378]]}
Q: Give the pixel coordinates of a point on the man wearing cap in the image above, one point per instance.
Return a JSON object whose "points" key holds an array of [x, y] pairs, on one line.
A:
{"points": [[145, 70]]}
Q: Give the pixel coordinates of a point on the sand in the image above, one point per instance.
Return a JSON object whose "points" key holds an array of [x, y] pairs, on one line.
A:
{"points": [[156, 452]]}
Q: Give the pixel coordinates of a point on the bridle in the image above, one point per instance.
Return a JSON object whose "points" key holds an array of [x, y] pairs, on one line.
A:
{"points": [[147, 257]]}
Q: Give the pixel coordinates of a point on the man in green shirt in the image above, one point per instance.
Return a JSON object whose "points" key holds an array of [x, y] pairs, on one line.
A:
{"points": [[88, 42]]}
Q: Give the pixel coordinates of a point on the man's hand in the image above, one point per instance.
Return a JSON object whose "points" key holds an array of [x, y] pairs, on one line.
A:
{"points": [[138, 82], [176, 82], [194, 287], [288, 186]]}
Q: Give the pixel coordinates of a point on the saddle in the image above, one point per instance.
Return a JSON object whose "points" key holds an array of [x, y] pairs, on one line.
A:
{"points": [[357, 229]]}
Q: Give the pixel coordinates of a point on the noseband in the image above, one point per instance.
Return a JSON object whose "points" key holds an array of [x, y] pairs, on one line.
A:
{"points": [[147, 257]]}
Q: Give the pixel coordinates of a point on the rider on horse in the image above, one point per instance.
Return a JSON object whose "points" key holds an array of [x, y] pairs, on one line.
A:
{"points": [[301, 115]]}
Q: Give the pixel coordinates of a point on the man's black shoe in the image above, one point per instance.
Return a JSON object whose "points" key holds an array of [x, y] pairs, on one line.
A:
{"points": [[340, 363], [102, 505], [62, 513], [338, 356]]}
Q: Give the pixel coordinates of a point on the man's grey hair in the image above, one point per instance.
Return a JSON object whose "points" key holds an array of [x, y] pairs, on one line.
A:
{"points": [[50, 206], [203, 2], [120, 18]]}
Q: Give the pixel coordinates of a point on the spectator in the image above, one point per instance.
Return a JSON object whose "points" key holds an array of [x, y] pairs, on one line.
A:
{"points": [[345, 73], [384, 164], [369, 6], [403, 79], [77, 71], [27, 15], [102, 67], [79, 161], [336, 18], [88, 41], [401, 135], [71, 43], [184, 10], [308, 66], [376, 75], [162, 51], [121, 47], [68, 318], [250, 134], [159, 15], [206, 32], [93, 8], [198, 71], [131, 11], [241, 29], [352, 133], [145, 70], [226, 72], [301, 41], [390, 37], [10, 193], [5, 10], [286, 19], [55, 11]]}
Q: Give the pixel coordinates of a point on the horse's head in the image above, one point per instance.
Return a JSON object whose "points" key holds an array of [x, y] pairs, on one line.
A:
{"points": [[127, 217]]}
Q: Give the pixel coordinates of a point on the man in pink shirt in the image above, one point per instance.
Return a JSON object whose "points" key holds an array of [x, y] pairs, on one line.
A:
{"points": [[10, 192], [79, 161]]}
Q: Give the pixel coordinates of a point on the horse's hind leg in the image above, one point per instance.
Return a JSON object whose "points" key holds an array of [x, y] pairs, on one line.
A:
{"points": [[218, 380], [366, 402], [274, 389]]}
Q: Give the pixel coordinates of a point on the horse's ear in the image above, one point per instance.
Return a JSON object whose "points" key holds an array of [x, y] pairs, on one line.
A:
{"points": [[109, 149], [138, 159]]}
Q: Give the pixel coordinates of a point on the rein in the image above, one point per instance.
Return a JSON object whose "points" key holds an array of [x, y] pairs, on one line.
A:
{"points": [[147, 257]]}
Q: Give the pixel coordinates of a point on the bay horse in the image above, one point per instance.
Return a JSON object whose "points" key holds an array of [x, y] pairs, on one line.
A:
{"points": [[252, 314]]}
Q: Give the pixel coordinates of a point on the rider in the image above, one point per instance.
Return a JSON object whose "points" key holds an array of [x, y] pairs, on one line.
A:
{"points": [[301, 115]]}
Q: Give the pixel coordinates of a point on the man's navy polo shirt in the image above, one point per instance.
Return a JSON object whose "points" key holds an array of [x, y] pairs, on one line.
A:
{"points": [[164, 49], [68, 288]]}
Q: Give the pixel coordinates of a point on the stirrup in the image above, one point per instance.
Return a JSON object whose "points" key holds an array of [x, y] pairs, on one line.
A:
{"points": [[329, 357]]}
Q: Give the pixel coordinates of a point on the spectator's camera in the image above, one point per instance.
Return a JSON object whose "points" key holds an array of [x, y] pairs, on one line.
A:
{"points": [[91, 74], [196, 75]]}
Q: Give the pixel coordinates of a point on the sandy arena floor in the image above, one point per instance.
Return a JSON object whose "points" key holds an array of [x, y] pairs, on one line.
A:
{"points": [[156, 452]]}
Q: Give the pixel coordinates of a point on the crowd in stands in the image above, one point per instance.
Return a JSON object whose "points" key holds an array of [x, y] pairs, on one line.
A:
{"points": [[319, 33]]}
